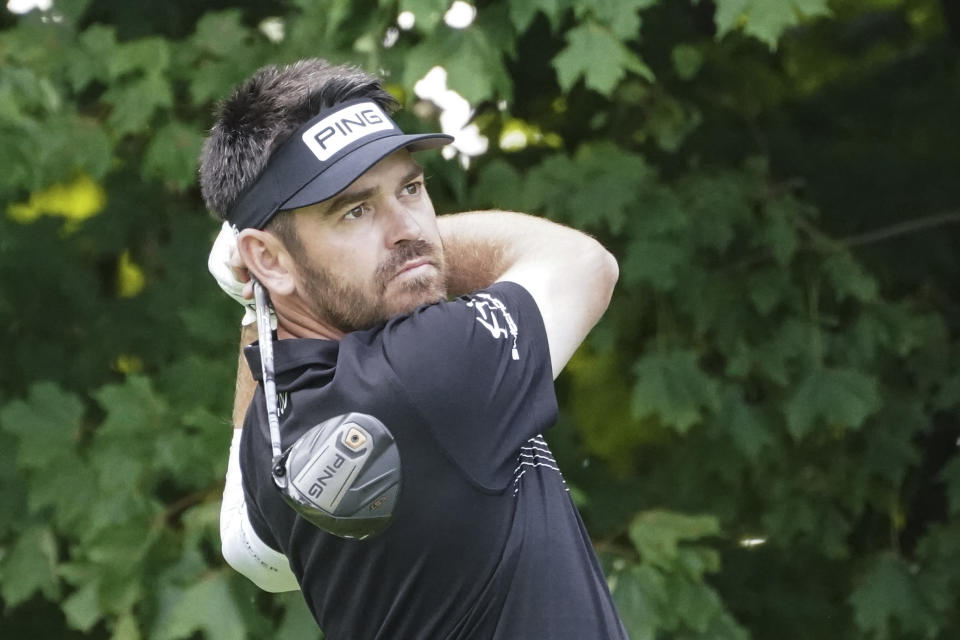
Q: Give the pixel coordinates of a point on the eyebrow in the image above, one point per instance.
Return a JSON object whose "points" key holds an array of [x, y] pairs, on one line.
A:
{"points": [[352, 197]]}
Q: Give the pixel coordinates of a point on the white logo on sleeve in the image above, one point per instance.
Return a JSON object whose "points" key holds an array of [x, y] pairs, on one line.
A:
{"points": [[493, 315]]}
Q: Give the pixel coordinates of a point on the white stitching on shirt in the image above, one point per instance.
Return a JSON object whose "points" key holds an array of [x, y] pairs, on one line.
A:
{"points": [[534, 455]]}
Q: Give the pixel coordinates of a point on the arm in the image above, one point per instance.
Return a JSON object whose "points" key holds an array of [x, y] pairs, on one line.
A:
{"points": [[242, 548], [569, 274], [245, 385]]}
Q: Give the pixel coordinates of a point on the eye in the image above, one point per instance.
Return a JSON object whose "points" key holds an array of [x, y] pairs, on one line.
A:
{"points": [[356, 212], [413, 188]]}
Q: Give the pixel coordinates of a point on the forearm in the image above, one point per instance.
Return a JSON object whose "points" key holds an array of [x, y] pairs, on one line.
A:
{"points": [[568, 273], [481, 247], [241, 547], [245, 385], [473, 250]]}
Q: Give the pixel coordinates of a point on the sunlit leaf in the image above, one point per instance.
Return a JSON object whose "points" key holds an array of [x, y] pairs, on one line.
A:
{"points": [[765, 20], [620, 15], [522, 12], [657, 535], [29, 566]]}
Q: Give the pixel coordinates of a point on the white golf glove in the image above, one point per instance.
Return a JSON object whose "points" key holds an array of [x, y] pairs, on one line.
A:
{"points": [[223, 263]]}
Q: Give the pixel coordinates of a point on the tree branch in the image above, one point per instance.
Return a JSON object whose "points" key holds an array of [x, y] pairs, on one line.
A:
{"points": [[902, 228]]}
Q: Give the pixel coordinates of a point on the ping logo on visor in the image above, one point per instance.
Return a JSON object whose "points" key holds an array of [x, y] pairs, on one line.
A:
{"points": [[334, 132], [323, 157]]}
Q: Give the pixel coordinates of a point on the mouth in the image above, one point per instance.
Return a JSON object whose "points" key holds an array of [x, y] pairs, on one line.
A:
{"points": [[413, 266]]}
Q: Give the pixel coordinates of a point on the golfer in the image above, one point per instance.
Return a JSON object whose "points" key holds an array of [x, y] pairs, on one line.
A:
{"points": [[393, 457]]}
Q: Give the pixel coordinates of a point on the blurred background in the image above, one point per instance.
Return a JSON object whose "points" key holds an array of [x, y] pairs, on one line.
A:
{"points": [[762, 433]]}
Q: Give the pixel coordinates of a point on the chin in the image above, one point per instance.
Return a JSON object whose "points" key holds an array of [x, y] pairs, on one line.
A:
{"points": [[415, 295]]}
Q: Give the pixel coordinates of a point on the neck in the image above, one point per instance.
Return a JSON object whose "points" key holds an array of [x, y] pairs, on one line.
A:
{"points": [[295, 320]]}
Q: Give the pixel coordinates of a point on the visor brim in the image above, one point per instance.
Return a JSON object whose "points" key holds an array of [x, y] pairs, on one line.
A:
{"points": [[348, 169]]}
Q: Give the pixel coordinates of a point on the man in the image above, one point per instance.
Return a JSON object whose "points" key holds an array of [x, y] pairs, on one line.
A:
{"points": [[478, 536]]}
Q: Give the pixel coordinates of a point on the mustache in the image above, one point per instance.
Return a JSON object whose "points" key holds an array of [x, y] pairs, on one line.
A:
{"points": [[404, 253]]}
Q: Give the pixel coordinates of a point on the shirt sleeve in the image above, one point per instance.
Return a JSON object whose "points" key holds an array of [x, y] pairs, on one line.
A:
{"points": [[242, 548], [478, 371]]}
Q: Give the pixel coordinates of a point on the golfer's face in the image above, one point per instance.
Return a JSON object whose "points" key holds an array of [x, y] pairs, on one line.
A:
{"points": [[374, 249]]}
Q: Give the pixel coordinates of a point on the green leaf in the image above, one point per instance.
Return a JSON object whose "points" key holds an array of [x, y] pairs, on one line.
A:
{"points": [[91, 61], [840, 397], [125, 628], [848, 278], [748, 429], [46, 425], [674, 387], [132, 408], [638, 591], [473, 62], [695, 603], [778, 355], [670, 122], [657, 535], [172, 155], [475, 69], [428, 13], [598, 188], [596, 55], [768, 288], [888, 593], [297, 622], [687, 60], [619, 15], [222, 33], [150, 55], [134, 102], [213, 79], [497, 185], [29, 566], [82, 608], [72, 496], [522, 12], [655, 262], [765, 20], [206, 606], [779, 234]]}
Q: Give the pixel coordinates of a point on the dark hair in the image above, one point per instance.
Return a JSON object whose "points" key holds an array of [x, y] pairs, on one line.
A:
{"points": [[262, 113]]}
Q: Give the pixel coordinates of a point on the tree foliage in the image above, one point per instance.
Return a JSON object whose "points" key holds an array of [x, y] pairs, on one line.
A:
{"points": [[761, 433]]}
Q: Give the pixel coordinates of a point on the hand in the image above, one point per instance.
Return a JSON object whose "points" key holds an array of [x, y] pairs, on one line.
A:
{"points": [[231, 274]]}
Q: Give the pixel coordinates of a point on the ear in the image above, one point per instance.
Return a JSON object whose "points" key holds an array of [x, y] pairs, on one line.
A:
{"points": [[267, 260]]}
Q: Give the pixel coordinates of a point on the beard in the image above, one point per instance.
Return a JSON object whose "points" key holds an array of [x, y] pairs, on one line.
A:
{"points": [[350, 306]]}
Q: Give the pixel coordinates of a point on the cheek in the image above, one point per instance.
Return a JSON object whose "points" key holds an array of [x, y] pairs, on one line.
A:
{"points": [[427, 220]]}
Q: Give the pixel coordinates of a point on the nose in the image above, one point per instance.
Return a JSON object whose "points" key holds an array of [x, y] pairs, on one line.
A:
{"points": [[402, 225]]}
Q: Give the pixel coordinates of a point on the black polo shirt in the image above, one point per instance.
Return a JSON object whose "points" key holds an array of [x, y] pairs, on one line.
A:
{"points": [[485, 541]]}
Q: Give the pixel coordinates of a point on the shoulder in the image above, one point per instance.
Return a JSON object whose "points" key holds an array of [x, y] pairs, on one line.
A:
{"points": [[494, 313]]}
